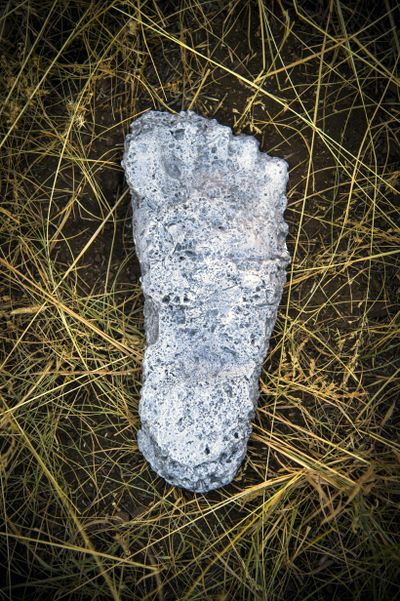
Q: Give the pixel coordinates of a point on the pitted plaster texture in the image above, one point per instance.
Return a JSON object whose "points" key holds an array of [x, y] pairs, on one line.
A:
{"points": [[211, 240]]}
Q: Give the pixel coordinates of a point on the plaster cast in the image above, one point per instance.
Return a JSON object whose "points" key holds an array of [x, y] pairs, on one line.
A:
{"points": [[210, 237]]}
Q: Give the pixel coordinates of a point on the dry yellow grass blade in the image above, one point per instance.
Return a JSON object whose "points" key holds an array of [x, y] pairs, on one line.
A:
{"points": [[67, 310]]}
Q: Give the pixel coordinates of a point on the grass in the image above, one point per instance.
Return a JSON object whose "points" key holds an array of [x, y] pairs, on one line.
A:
{"points": [[313, 512]]}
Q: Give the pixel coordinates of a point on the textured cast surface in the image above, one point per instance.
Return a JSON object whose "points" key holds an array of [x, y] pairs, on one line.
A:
{"points": [[210, 236]]}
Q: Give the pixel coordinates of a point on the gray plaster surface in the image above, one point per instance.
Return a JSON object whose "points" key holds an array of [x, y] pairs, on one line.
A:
{"points": [[211, 240]]}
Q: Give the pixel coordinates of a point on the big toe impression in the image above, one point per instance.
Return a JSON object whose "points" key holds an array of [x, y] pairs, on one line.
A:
{"points": [[211, 240]]}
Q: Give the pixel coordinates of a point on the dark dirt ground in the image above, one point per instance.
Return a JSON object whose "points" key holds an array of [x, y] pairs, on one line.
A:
{"points": [[111, 258]]}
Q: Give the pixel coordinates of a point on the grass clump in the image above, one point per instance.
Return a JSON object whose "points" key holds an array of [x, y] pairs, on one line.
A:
{"points": [[313, 512]]}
